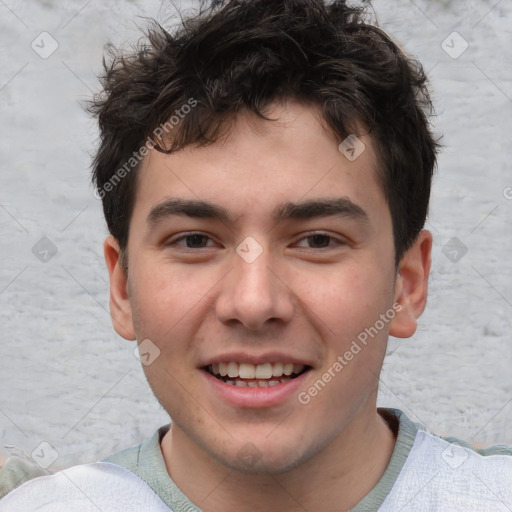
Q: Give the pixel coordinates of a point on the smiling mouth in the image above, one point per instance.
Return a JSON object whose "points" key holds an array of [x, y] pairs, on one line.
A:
{"points": [[256, 376]]}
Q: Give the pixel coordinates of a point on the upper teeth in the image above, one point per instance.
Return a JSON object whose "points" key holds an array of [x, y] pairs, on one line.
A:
{"points": [[251, 371]]}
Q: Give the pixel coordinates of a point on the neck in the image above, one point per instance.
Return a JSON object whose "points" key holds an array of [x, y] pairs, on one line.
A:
{"points": [[336, 478]]}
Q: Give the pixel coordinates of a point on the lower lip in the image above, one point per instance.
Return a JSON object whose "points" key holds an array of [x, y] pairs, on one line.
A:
{"points": [[255, 397]]}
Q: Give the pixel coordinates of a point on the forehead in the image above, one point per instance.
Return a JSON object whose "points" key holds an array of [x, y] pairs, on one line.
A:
{"points": [[260, 165]]}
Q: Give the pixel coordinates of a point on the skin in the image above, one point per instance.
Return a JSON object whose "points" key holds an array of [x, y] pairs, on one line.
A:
{"points": [[304, 298]]}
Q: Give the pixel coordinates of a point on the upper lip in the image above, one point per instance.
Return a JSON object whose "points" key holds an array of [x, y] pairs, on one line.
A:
{"points": [[255, 359]]}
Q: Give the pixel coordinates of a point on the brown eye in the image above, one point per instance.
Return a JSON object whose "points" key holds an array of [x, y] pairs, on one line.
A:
{"points": [[190, 241], [195, 240], [319, 241]]}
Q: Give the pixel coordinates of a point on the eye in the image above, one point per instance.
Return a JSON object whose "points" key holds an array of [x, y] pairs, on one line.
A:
{"points": [[191, 240], [200, 241], [321, 241]]}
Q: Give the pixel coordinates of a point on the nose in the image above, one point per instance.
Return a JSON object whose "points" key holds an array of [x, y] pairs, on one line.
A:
{"points": [[254, 294]]}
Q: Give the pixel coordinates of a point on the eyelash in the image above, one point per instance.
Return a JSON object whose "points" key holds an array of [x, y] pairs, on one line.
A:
{"points": [[312, 235]]}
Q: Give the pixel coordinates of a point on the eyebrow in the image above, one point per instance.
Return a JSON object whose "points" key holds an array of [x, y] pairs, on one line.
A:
{"points": [[339, 207]]}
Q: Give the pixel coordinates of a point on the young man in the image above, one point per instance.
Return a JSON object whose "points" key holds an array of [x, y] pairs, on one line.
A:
{"points": [[265, 176]]}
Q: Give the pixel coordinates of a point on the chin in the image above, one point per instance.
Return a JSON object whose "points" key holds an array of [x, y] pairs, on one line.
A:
{"points": [[251, 461]]}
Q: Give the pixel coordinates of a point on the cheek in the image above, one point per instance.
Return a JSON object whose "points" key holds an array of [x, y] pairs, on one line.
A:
{"points": [[349, 299], [161, 297], [169, 305]]}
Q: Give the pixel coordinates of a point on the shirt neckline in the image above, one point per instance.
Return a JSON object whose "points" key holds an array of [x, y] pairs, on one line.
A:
{"points": [[151, 466], [406, 435]]}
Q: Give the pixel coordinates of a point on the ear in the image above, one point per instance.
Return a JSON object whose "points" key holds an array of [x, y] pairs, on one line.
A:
{"points": [[411, 286], [120, 307]]}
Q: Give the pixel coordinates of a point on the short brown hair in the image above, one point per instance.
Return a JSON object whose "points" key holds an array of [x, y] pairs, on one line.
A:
{"points": [[246, 54]]}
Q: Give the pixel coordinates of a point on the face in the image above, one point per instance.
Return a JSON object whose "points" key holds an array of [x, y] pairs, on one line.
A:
{"points": [[268, 252]]}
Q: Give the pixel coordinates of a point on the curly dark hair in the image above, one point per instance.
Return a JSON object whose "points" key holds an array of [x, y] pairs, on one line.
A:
{"points": [[247, 54]]}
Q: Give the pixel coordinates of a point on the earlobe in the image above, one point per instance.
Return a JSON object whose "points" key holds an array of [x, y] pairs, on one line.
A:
{"points": [[411, 286], [120, 307]]}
